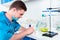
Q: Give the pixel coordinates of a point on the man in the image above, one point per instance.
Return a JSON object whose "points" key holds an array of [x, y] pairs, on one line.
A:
{"points": [[8, 24]]}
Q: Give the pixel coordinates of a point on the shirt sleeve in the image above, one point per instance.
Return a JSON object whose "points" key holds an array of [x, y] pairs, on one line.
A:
{"points": [[16, 26]]}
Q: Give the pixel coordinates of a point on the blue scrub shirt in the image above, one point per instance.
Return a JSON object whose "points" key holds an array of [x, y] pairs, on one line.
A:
{"points": [[7, 28]]}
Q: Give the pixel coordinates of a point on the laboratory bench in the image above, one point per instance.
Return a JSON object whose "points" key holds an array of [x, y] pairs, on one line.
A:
{"points": [[38, 36]]}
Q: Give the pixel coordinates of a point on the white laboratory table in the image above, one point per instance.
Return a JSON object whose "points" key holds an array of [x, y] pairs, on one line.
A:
{"points": [[38, 36]]}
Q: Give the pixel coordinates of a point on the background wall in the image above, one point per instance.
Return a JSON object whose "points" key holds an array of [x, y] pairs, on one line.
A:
{"points": [[34, 11]]}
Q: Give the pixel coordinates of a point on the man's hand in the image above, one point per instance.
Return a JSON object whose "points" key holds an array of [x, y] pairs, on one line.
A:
{"points": [[29, 30], [22, 29], [22, 34]]}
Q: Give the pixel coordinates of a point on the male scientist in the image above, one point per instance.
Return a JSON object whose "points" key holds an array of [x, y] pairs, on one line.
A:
{"points": [[8, 24]]}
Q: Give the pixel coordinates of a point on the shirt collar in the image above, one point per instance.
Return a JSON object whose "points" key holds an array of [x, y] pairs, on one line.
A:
{"points": [[6, 19]]}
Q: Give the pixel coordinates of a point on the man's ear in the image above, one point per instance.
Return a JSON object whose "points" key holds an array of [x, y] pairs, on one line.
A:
{"points": [[14, 9]]}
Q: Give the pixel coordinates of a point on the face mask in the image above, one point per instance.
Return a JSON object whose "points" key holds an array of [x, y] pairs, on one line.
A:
{"points": [[13, 18]]}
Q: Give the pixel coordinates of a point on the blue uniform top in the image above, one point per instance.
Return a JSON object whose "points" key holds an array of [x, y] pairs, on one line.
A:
{"points": [[7, 28]]}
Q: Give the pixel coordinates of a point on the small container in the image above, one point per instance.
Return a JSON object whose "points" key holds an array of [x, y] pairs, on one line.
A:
{"points": [[58, 28]]}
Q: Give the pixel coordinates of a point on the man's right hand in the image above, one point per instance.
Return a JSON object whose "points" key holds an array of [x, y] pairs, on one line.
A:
{"points": [[29, 30]]}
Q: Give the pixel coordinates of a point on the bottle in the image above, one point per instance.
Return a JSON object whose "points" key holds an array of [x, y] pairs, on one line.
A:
{"points": [[43, 24]]}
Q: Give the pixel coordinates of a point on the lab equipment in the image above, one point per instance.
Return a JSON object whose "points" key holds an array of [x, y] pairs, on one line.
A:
{"points": [[58, 26], [50, 33], [43, 29], [43, 15], [42, 26], [52, 10]]}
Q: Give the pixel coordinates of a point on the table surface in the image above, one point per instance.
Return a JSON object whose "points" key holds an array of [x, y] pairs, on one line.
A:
{"points": [[38, 35]]}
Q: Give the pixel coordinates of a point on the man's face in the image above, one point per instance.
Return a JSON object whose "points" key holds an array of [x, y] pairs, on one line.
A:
{"points": [[19, 13]]}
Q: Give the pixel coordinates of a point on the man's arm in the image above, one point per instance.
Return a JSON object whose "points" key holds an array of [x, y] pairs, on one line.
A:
{"points": [[22, 28], [22, 34]]}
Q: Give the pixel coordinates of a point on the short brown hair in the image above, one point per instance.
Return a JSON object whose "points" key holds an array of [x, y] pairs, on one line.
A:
{"points": [[18, 5]]}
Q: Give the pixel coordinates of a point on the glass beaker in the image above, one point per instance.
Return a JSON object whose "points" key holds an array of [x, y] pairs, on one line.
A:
{"points": [[42, 26]]}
